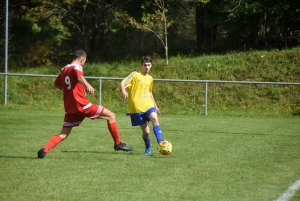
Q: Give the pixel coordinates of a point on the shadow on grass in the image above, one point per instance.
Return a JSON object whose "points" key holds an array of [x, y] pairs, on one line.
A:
{"points": [[226, 133], [120, 152], [27, 157], [88, 152], [100, 152], [20, 157]]}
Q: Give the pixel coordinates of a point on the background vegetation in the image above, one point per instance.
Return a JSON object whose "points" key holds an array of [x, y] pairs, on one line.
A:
{"points": [[44, 32], [183, 98]]}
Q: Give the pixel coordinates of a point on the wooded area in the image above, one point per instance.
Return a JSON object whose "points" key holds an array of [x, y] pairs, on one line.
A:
{"points": [[45, 32]]}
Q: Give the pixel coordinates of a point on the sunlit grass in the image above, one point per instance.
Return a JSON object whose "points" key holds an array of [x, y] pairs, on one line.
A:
{"points": [[215, 157]]}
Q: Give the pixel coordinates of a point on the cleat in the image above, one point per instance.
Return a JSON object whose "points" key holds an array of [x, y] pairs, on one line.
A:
{"points": [[147, 151], [123, 147], [162, 140], [41, 153]]}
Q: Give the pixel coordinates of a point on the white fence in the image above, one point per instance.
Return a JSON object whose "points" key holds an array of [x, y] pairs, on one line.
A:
{"points": [[206, 82]]}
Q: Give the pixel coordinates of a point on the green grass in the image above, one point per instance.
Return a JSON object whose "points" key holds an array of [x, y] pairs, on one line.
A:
{"points": [[215, 157]]}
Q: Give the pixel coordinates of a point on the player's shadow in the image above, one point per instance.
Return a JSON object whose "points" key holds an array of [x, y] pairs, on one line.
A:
{"points": [[19, 157], [225, 133], [87, 152], [99, 152], [24, 157]]}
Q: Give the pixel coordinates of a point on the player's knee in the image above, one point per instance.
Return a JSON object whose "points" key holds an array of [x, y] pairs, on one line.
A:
{"points": [[155, 121], [63, 136], [112, 116], [146, 131], [146, 134]]}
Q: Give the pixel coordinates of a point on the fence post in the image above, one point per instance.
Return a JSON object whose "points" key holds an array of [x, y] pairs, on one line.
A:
{"points": [[205, 99], [6, 53], [100, 92]]}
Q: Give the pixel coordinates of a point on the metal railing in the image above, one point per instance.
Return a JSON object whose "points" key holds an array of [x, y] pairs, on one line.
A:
{"points": [[161, 80]]}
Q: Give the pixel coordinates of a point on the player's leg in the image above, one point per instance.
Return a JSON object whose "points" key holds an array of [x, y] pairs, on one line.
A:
{"points": [[146, 137], [54, 141], [141, 120], [156, 127], [65, 131], [113, 129], [70, 120]]}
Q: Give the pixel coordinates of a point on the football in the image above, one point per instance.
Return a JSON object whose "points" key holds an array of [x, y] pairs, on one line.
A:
{"points": [[164, 147]]}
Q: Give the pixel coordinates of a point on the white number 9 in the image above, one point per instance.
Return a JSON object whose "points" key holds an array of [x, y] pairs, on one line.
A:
{"points": [[68, 82]]}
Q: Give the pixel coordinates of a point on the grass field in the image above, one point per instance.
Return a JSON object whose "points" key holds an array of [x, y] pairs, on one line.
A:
{"points": [[215, 157]]}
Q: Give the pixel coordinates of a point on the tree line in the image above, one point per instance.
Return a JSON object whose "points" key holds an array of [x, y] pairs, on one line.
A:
{"points": [[43, 32]]}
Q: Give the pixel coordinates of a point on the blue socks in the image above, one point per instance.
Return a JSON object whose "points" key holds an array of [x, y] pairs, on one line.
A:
{"points": [[147, 142], [158, 133]]}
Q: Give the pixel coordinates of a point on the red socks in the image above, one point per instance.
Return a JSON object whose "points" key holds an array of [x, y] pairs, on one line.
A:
{"points": [[114, 131], [112, 127], [52, 143]]}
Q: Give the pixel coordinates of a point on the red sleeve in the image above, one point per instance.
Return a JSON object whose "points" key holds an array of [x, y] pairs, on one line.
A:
{"points": [[78, 72], [58, 80]]}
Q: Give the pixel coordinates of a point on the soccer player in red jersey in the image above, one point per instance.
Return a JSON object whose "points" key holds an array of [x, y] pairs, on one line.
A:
{"points": [[77, 107]]}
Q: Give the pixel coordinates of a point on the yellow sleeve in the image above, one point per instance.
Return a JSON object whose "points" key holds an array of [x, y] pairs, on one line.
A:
{"points": [[127, 79]]}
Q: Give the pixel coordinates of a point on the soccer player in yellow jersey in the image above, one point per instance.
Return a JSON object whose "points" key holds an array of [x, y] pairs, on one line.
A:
{"points": [[141, 108]]}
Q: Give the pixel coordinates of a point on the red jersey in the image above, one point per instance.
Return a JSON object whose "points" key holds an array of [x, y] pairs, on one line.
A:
{"points": [[74, 93]]}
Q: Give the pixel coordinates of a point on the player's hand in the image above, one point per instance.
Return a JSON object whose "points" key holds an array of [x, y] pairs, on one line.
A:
{"points": [[90, 89], [124, 94], [157, 109]]}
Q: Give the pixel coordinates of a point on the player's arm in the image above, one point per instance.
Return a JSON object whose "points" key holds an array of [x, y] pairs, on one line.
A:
{"points": [[126, 83], [57, 83], [152, 97], [86, 85], [123, 90], [58, 86]]}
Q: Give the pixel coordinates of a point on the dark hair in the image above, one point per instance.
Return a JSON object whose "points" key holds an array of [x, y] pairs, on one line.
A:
{"points": [[79, 53], [146, 59]]}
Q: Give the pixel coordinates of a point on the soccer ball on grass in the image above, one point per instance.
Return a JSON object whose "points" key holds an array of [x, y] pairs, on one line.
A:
{"points": [[164, 147]]}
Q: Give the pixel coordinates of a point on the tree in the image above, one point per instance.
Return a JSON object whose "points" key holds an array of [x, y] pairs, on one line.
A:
{"points": [[211, 18], [85, 21], [239, 24], [2, 36], [154, 19]]}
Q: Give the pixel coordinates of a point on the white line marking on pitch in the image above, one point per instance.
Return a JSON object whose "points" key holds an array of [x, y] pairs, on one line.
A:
{"points": [[290, 192]]}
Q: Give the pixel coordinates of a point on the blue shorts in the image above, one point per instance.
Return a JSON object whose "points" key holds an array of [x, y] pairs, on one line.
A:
{"points": [[141, 118]]}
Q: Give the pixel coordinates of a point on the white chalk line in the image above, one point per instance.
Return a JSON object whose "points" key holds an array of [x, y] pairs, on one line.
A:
{"points": [[290, 192]]}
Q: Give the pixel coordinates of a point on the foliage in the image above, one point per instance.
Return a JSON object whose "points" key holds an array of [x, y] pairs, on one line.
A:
{"points": [[250, 24], [2, 37], [188, 97], [53, 29], [154, 19]]}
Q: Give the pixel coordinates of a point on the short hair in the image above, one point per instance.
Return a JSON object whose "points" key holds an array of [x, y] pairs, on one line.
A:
{"points": [[146, 59], [79, 53]]}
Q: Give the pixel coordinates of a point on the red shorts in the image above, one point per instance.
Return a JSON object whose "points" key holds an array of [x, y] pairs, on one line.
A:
{"points": [[75, 119]]}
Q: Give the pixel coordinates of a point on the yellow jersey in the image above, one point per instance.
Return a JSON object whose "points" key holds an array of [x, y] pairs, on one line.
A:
{"points": [[138, 87]]}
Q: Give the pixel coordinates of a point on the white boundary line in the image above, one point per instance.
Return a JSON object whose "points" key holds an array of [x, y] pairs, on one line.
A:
{"points": [[290, 192]]}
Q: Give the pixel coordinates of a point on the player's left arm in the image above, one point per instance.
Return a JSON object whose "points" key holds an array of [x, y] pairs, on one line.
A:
{"points": [[58, 87], [57, 83], [86, 85], [156, 108]]}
